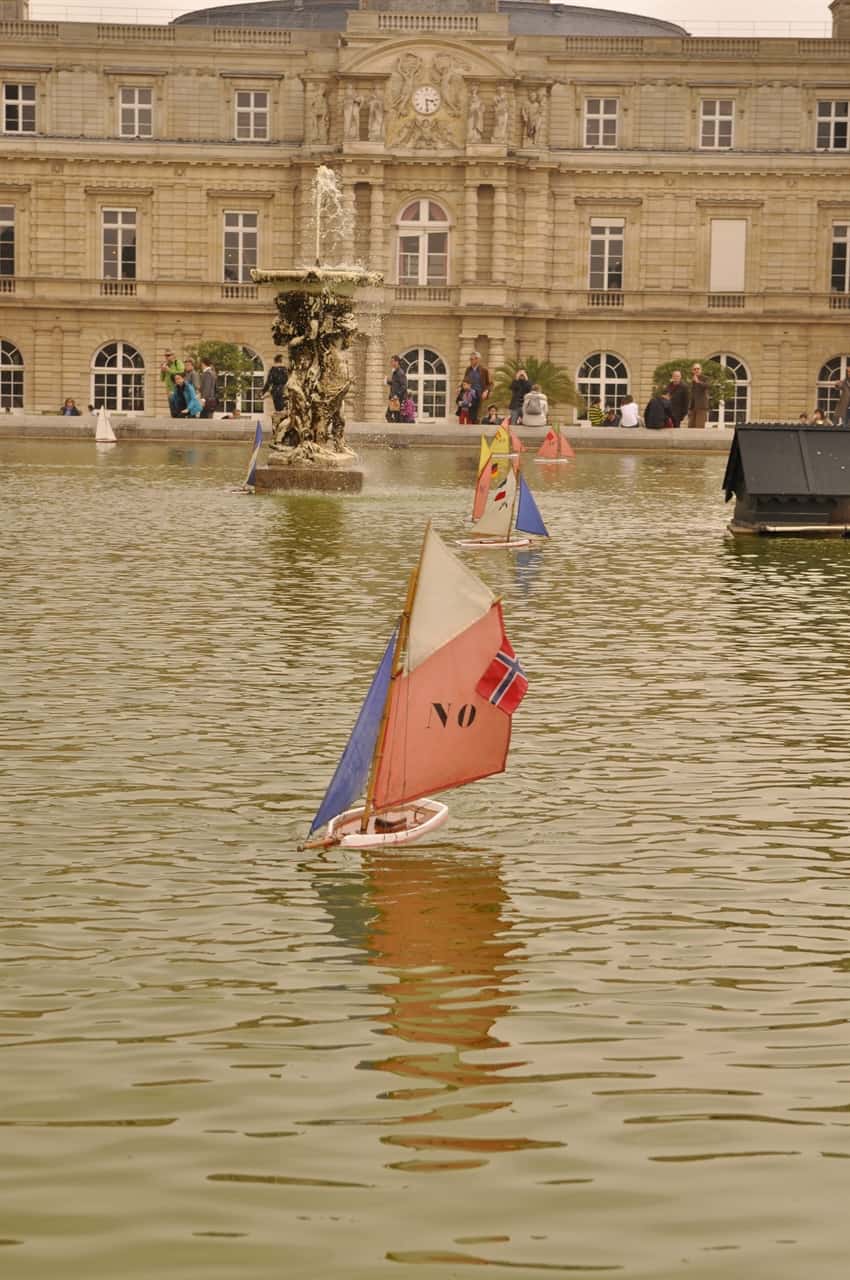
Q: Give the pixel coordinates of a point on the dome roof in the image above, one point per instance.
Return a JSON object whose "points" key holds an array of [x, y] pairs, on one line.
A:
{"points": [[526, 17]]}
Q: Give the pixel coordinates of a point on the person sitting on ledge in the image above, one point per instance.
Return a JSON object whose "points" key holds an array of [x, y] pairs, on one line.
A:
{"points": [[657, 413], [69, 409], [629, 416], [183, 401]]}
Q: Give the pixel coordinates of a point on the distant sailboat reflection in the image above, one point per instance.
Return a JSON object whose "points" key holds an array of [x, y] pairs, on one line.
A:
{"points": [[435, 928]]}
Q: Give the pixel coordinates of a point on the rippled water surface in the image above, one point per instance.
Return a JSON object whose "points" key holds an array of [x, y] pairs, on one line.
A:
{"points": [[599, 1027]]}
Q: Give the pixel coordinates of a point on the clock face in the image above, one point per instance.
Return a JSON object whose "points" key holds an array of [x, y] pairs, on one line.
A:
{"points": [[426, 100]]}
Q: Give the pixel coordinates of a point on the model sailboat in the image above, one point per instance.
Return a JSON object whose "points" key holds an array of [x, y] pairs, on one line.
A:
{"points": [[437, 715], [555, 448], [503, 501], [255, 453], [103, 432]]}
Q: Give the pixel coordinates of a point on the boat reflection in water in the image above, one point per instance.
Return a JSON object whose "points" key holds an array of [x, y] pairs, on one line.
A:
{"points": [[435, 928]]}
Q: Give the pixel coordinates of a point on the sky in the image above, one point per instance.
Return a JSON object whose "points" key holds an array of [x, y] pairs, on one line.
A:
{"points": [[719, 17]]}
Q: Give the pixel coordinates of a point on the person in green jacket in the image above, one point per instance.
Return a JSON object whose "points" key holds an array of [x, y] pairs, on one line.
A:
{"points": [[168, 369]]}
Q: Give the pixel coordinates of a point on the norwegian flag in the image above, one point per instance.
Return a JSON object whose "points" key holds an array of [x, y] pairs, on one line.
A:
{"points": [[504, 682]]}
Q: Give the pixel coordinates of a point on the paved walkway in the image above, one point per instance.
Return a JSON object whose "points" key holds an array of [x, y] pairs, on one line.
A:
{"points": [[393, 435]]}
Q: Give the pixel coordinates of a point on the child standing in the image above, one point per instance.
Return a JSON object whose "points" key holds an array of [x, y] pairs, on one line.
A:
{"points": [[467, 403]]}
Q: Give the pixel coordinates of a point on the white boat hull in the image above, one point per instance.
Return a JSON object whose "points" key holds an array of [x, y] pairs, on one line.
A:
{"points": [[383, 829], [475, 543], [550, 460]]}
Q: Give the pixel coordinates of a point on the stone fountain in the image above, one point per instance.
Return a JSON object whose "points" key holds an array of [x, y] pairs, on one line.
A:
{"points": [[315, 324]]}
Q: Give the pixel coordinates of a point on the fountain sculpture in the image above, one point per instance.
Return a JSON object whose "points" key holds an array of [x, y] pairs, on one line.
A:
{"points": [[315, 324]]}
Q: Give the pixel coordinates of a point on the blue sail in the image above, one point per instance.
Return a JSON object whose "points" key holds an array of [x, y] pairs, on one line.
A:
{"points": [[528, 518], [352, 772], [256, 447]]}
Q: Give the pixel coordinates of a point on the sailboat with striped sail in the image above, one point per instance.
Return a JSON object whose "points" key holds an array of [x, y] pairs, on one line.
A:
{"points": [[503, 501], [555, 448], [437, 715]]}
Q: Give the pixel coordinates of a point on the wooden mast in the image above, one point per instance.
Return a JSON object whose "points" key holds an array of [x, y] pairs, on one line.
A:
{"points": [[401, 641]]}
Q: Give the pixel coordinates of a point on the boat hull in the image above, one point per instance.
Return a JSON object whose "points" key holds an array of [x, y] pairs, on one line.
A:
{"points": [[476, 543], [418, 818], [550, 460]]}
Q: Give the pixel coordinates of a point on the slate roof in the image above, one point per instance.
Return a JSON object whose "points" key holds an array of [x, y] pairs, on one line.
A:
{"points": [[788, 462], [526, 18]]}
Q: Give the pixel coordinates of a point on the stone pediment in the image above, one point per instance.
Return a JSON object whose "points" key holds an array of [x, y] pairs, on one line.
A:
{"points": [[426, 89]]}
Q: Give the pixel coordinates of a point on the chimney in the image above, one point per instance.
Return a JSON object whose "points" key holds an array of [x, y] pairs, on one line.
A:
{"points": [[840, 19]]}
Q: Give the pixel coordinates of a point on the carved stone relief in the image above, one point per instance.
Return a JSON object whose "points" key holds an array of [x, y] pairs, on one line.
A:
{"points": [[533, 114]]}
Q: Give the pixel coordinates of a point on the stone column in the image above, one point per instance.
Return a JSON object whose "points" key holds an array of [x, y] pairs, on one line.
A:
{"points": [[535, 231], [377, 365], [500, 235], [470, 234], [377, 239], [347, 238]]}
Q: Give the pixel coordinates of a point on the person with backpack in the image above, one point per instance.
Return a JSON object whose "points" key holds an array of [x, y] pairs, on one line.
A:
{"points": [[535, 408], [275, 384]]}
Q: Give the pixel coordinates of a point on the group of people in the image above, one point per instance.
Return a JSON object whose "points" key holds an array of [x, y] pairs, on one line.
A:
{"points": [[400, 404], [668, 406], [191, 392], [528, 403]]}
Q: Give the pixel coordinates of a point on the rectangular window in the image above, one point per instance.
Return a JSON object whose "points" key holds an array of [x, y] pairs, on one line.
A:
{"points": [[136, 116], [119, 244], [19, 108], [728, 255], [252, 115], [240, 246], [7, 240], [839, 276], [408, 259], [606, 253], [833, 120], [717, 121], [600, 122]]}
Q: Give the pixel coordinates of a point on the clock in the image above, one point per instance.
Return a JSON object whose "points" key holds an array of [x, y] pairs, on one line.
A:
{"points": [[426, 100]]}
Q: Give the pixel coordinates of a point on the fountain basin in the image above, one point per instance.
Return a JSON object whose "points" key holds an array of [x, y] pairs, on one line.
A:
{"points": [[313, 479]]}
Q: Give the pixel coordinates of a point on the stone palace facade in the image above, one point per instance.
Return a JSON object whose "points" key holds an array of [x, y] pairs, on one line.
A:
{"points": [[597, 189]]}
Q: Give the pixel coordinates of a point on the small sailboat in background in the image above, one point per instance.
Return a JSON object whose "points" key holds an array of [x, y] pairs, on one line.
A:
{"points": [[502, 499], [555, 448], [103, 432], [437, 714]]}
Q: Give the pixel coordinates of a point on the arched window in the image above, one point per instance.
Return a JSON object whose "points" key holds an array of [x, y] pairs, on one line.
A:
{"points": [[11, 377], [827, 393], [118, 378], [735, 410], [427, 381], [423, 244], [604, 378], [249, 400]]}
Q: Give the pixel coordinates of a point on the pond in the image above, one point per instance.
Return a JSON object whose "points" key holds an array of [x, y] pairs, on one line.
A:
{"points": [[599, 1025]]}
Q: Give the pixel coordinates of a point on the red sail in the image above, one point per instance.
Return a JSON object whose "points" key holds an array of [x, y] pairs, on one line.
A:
{"points": [[566, 449], [549, 447], [440, 732]]}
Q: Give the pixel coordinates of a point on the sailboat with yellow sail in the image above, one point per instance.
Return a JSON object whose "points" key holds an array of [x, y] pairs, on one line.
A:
{"points": [[503, 505], [437, 715]]}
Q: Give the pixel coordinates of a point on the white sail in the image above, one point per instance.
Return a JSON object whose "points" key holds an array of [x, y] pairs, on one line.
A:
{"points": [[103, 432], [496, 519], [449, 598]]}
